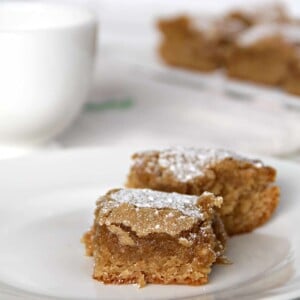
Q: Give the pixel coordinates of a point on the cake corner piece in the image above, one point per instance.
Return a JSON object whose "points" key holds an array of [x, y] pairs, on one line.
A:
{"points": [[143, 236], [246, 185]]}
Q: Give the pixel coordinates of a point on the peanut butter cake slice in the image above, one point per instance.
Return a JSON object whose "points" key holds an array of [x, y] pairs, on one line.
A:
{"points": [[144, 236], [292, 80], [204, 42], [199, 43], [246, 185], [263, 52]]}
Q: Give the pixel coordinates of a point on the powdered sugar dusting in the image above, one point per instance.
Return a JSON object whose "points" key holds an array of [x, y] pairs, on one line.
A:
{"points": [[187, 163], [187, 205], [289, 32], [213, 27]]}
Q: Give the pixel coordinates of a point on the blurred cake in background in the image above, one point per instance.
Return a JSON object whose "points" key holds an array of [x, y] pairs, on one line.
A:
{"points": [[258, 44], [197, 43], [268, 13], [263, 53], [292, 80]]}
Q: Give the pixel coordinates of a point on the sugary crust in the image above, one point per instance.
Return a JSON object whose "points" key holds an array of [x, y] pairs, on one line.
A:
{"points": [[247, 190], [146, 172]]}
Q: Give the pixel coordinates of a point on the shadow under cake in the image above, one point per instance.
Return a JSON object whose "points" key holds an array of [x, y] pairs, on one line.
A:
{"points": [[247, 186], [144, 236]]}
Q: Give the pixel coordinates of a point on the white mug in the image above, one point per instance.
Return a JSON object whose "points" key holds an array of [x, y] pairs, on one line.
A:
{"points": [[46, 62]]}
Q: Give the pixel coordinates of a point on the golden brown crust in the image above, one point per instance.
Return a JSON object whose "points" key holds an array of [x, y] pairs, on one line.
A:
{"points": [[147, 211]]}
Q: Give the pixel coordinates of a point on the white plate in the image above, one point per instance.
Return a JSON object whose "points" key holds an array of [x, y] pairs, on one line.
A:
{"points": [[47, 202]]}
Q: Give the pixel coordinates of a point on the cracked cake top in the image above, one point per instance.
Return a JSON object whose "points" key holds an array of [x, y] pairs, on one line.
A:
{"points": [[147, 211]]}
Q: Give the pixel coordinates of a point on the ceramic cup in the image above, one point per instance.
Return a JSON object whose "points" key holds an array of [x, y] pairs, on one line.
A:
{"points": [[46, 62]]}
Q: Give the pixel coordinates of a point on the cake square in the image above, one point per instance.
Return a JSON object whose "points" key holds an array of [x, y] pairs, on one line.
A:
{"points": [[262, 53], [249, 195], [203, 42], [199, 43], [144, 236]]}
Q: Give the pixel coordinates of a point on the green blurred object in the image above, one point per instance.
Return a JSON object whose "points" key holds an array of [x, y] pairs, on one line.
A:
{"points": [[110, 104]]}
